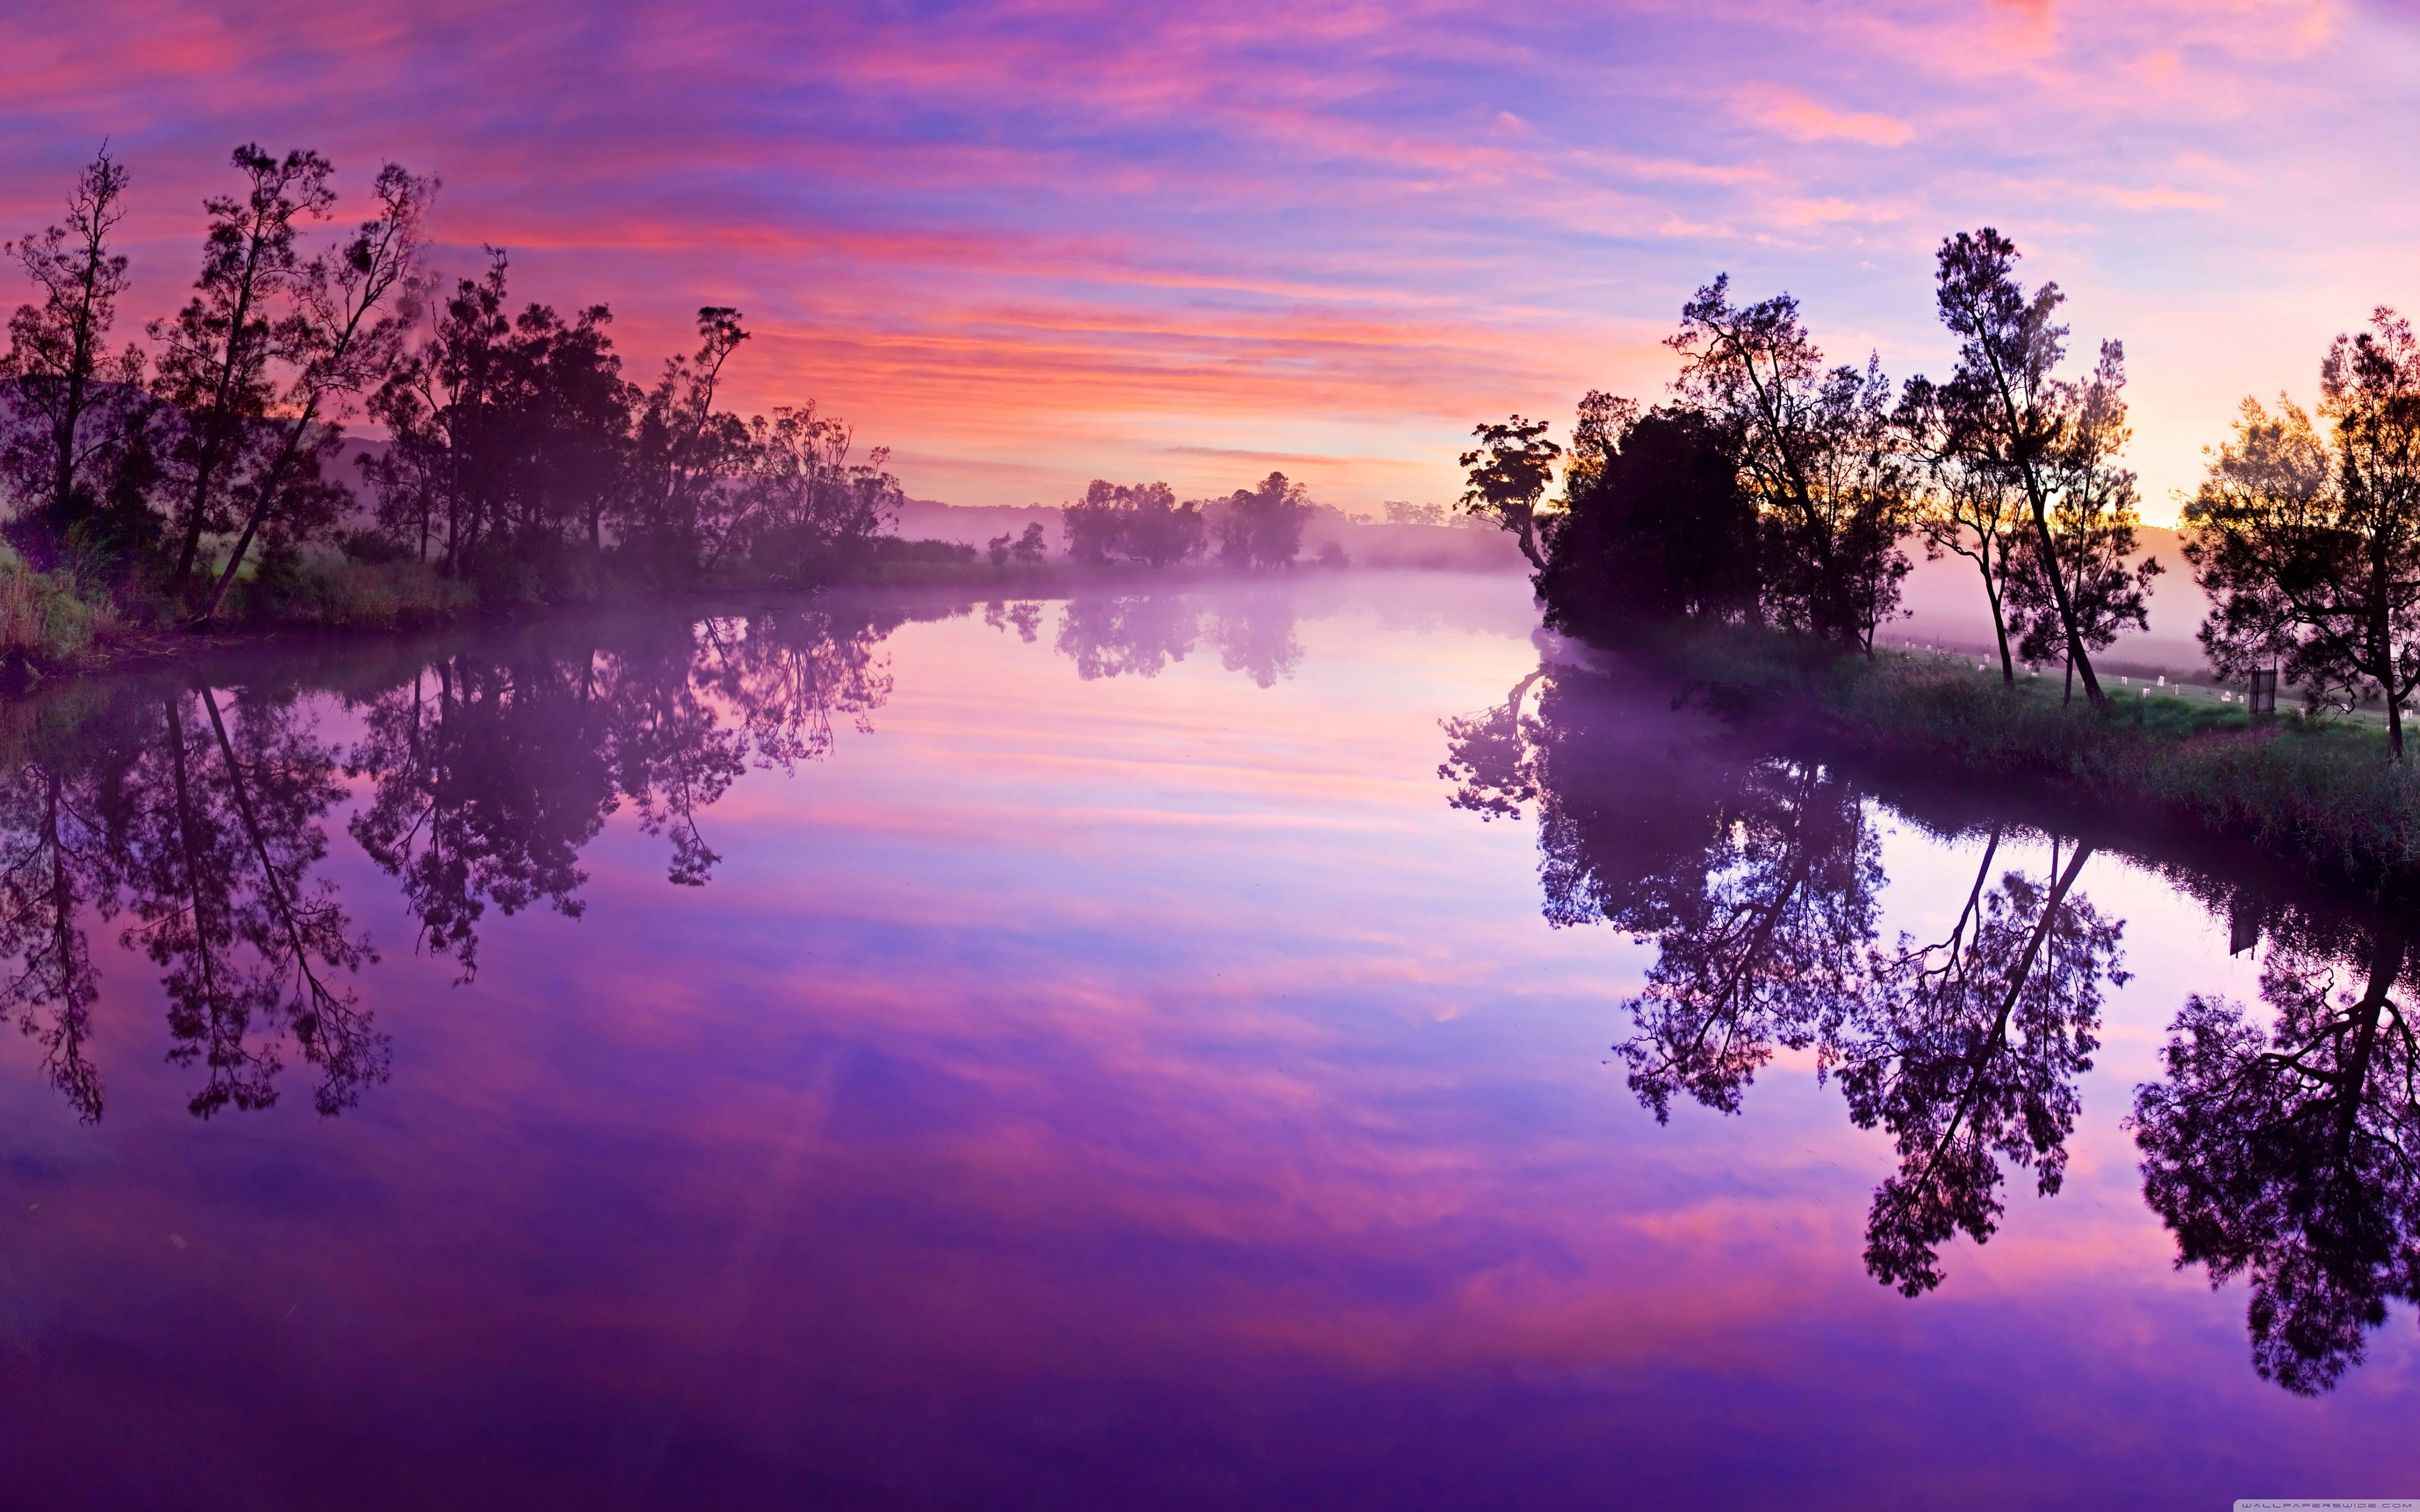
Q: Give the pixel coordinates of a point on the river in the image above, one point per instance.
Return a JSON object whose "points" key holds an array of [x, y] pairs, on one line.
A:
{"points": [[885, 1052]]}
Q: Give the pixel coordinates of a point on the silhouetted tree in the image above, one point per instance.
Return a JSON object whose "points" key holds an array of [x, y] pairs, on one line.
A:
{"points": [[1967, 508], [2093, 527], [2309, 547], [216, 354], [343, 338], [1510, 471], [1818, 450], [2004, 408], [805, 509], [1139, 522], [79, 396], [685, 453], [1261, 526], [1654, 525]]}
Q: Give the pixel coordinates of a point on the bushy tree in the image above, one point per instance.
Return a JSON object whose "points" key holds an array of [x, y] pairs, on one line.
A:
{"points": [[1261, 526], [2308, 544], [1135, 522], [1654, 525], [1819, 451]]}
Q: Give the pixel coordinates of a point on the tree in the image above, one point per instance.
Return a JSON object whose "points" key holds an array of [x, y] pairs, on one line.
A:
{"points": [[213, 364], [2309, 545], [1510, 471], [1654, 525], [58, 356], [510, 432], [2093, 526], [1817, 450], [1141, 522], [1967, 510], [2005, 409], [804, 505], [344, 338], [684, 454], [1262, 527]]}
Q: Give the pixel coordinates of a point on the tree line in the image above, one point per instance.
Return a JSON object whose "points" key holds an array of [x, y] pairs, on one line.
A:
{"points": [[204, 462], [1773, 488], [1258, 526]]}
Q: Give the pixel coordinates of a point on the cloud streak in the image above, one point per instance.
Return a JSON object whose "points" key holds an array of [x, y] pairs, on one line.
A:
{"points": [[1058, 239]]}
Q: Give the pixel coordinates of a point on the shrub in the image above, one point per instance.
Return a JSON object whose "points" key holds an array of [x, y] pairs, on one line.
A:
{"points": [[44, 622]]}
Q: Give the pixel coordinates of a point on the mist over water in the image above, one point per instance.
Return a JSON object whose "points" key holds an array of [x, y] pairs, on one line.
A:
{"points": [[1188, 1047]]}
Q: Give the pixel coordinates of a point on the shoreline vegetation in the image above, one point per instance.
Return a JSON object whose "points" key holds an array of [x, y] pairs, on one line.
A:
{"points": [[2312, 796], [202, 480], [1750, 534]]}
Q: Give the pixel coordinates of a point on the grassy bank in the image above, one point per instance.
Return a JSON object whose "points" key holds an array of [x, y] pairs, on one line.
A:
{"points": [[2315, 795]]}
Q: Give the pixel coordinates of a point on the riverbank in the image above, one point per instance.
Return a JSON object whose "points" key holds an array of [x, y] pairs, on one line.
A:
{"points": [[2314, 796]]}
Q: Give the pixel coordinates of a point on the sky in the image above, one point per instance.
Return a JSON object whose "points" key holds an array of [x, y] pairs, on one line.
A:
{"points": [[1026, 245]]}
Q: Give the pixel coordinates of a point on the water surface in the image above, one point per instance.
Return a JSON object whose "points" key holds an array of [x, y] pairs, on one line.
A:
{"points": [[879, 1052]]}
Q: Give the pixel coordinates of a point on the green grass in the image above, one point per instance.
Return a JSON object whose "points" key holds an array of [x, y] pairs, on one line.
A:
{"points": [[2316, 794], [46, 623], [325, 591]]}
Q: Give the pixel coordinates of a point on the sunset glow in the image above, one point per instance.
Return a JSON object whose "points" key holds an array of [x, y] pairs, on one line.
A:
{"points": [[1031, 244]]}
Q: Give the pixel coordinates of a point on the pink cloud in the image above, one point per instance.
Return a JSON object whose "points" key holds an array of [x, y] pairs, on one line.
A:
{"points": [[1802, 119]]}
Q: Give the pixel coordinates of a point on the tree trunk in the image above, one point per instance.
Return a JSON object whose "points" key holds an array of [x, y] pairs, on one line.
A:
{"points": [[261, 506], [1999, 620], [2059, 592], [2383, 967]]}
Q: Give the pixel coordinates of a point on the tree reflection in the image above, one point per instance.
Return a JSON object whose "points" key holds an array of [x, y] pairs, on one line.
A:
{"points": [[199, 817], [2286, 1154], [1757, 879], [1139, 635], [491, 773], [1967, 1051]]}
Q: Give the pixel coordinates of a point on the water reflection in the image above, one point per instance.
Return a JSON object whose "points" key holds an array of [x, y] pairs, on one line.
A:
{"points": [[199, 825], [198, 813], [2283, 1153], [1109, 634], [199, 816]]}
